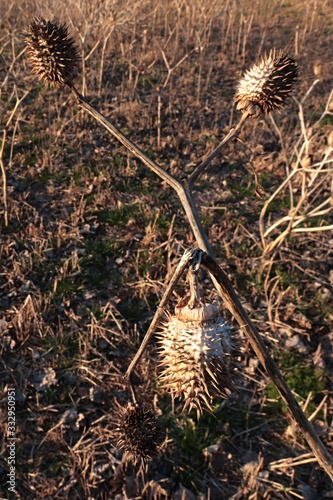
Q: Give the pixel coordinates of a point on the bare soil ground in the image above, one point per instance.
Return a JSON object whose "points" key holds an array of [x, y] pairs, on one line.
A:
{"points": [[90, 238]]}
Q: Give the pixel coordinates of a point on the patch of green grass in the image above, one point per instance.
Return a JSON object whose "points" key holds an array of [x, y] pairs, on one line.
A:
{"points": [[4, 97], [67, 287], [118, 161], [132, 308], [148, 80], [287, 279], [119, 216], [64, 348], [196, 437], [7, 149], [78, 177], [98, 249], [96, 265], [301, 378], [55, 467], [327, 120], [245, 249], [30, 160], [242, 187], [46, 175], [59, 394], [265, 179], [207, 218], [227, 92], [317, 305], [89, 198], [281, 202], [135, 184], [253, 280], [143, 262], [191, 438], [147, 263]]}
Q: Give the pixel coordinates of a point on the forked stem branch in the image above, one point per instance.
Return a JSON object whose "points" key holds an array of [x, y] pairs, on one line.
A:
{"points": [[219, 278]]}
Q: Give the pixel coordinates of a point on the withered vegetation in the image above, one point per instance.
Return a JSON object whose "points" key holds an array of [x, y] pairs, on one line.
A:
{"points": [[89, 237]]}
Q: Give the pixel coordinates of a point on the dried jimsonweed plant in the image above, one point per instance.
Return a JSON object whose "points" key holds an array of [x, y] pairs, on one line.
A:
{"points": [[265, 87]]}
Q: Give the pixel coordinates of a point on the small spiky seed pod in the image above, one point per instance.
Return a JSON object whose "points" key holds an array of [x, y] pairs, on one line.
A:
{"points": [[139, 433], [266, 85], [52, 53], [195, 350]]}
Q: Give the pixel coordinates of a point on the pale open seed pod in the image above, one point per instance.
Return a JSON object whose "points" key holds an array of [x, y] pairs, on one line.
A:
{"points": [[195, 350], [267, 84]]}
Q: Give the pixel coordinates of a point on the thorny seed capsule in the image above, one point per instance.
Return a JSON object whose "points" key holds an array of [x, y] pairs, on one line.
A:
{"points": [[266, 85], [52, 53], [139, 433], [195, 355]]}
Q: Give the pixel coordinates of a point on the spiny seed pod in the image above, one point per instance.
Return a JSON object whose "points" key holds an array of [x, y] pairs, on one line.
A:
{"points": [[195, 351], [52, 53], [266, 85], [139, 433]]}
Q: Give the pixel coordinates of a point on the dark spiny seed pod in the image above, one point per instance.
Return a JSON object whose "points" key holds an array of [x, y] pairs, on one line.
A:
{"points": [[52, 53], [195, 352], [139, 433], [266, 85]]}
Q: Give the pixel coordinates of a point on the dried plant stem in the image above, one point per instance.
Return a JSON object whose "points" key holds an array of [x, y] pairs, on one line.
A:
{"points": [[285, 463], [181, 190], [4, 177], [219, 277], [232, 134], [311, 182], [188, 256], [2, 150], [159, 120], [227, 292]]}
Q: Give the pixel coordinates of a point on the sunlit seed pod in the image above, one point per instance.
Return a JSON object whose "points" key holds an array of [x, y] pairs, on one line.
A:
{"points": [[195, 351], [266, 85], [51, 52], [139, 433]]}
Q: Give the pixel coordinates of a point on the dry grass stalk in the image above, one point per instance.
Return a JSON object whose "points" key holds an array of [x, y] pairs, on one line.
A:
{"points": [[306, 183], [2, 149]]}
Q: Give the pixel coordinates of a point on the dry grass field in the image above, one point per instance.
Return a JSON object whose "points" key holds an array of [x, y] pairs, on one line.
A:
{"points": [[90, 237]]}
